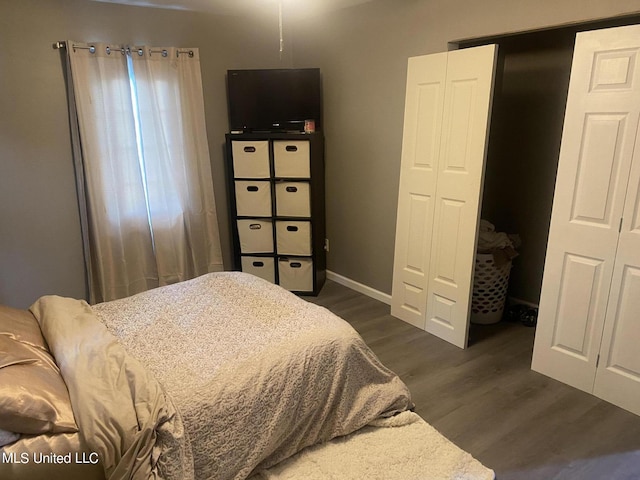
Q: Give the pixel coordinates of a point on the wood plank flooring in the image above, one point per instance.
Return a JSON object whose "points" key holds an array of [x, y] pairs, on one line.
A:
{"points": [[487, 400]]}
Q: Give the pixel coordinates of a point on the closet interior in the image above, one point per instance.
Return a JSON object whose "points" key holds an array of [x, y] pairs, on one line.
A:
{"points": [[530, 96]]}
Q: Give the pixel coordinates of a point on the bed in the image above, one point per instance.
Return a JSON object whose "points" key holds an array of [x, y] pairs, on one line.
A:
{"points": [[220, 377]]}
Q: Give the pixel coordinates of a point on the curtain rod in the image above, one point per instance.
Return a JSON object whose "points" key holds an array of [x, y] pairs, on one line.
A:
{"points": [[62, 44]]}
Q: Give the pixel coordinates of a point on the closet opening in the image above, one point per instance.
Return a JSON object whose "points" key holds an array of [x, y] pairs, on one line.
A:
{"points": [[530, 95]]}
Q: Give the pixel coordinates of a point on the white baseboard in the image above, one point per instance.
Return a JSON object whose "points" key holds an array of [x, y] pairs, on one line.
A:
{"points": [[385, 297], [359, 287]]}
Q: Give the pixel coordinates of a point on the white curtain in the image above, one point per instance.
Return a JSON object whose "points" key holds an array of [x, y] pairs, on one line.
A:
{"points": [[145, 167]]}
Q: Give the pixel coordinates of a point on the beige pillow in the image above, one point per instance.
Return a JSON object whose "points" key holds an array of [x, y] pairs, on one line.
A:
{"points": [[21, 325], [33, 396]]}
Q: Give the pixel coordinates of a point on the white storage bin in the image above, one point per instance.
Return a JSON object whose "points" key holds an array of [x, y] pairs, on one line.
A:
{"points": [[250, 159], [256, 236], [291, 159], [293, 199], [296, 274], [253, 198], [293, 238], [490, 284], [263, 267]]}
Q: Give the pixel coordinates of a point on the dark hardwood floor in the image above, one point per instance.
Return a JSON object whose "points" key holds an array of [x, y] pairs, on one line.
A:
{"points": [[488, 401]]}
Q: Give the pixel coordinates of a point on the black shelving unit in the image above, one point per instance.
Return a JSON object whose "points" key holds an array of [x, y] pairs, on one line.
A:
{"points": [[276, 186]]}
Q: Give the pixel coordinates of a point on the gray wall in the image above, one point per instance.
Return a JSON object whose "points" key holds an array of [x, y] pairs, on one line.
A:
{"points": [[40, 241], [362, 52]]}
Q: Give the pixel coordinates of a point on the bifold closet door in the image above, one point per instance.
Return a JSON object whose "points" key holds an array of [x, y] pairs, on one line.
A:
{"points": [[447, 109], [618, 372], [591, 273]]}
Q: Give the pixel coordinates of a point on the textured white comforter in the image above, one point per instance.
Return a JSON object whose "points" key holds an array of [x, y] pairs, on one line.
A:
{"points": [[256, 373]]}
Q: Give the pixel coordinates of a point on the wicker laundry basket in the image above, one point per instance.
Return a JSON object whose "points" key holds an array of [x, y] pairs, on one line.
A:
{"points": [[490, 283]]}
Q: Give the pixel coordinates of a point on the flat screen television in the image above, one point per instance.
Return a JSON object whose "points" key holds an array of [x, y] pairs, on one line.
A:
{"points": [[273, 99]]}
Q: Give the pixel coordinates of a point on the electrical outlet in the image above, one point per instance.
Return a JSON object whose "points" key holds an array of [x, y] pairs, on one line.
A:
{"points": [[326, 244]]}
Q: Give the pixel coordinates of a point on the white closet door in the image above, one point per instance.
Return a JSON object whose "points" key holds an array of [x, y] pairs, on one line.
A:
{"points": [[418, 177], [598, 140], [618, 373], [465, 125], [444, 145]]}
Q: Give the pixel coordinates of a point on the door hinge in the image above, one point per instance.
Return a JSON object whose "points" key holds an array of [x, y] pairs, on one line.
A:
{"points": [[597, 360], [620, 226]]}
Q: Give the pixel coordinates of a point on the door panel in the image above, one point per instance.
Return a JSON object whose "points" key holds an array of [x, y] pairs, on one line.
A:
{"points": [[598, 141], [581, 280], [467, 107], [598, 169], [418, 172], [448, 229]]}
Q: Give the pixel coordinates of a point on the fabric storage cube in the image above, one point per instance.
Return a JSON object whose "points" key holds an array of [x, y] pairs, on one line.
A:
{"points": [[293, 238], [291, 159], [253, 198], [296, 274], [263, 267], [293, 199], [256, 236], [250, 159]]}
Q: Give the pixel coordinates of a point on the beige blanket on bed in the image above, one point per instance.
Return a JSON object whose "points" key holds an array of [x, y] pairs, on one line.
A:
{"points": [[122, 412], [256, 372]]}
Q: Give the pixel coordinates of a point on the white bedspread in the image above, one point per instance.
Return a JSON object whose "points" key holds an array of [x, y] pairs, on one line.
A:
{"points": [[256, 373]]}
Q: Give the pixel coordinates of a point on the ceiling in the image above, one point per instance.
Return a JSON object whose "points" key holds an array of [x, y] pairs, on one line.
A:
{"points": [[242, 7]]}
